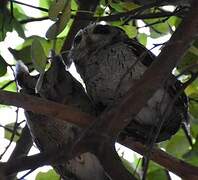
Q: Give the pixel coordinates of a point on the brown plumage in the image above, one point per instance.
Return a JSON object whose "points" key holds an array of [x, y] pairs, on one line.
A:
{"points": [[50, 134], [109, 64]]}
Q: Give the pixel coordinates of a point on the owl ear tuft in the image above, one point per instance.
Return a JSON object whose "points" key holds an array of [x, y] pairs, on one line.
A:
{"points": [[21, 68], [21, 73]]}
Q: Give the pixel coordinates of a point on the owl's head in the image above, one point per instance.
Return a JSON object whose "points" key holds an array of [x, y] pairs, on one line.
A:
{"points": [[93, 38]]}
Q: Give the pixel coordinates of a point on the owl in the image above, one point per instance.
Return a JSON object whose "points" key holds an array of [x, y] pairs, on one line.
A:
{"points": [[52, 134], [110, 63]]}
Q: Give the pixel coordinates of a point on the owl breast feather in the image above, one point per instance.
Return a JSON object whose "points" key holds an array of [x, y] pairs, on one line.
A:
{"points": [[108, 73]]}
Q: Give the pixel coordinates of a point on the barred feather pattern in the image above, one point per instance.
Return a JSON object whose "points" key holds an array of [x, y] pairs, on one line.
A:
{"points": [[109, 64]]}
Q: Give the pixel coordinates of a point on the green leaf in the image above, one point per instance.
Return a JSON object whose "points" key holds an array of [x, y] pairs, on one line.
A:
{"points": [[193, 109], [3, 66], [49, 175], [191, 90], [47, 45], [10, 87], [74, 5], [117, 23], [175, 142], [8, 23], [123, 6], [142, 38], [128, 6], [188, 59], [5, 26], [157, 27], [99, 11], [23, 54], [23, 51], [38, 56], [158, 174], [153, 167], [61, 23], [8, 134], [194, 127], [4, 82], [130, 30], [18, 27], [19, 14], [128, 165], [117, 7], [194, 50], [192, 155], [174, 21], [55, 8], [46, 3]]}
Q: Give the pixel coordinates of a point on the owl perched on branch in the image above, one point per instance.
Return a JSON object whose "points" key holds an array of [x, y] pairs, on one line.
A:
{"points": [[52, 134], [110, 63]]}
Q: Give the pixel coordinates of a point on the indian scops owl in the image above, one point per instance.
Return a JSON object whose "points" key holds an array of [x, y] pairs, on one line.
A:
{"points": [[109, 63], [49, 133]]}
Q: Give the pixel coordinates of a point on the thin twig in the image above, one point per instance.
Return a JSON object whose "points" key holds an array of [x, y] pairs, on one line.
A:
{"points": [[13, 134], [28, 5], [7, 84], [24, 21]]}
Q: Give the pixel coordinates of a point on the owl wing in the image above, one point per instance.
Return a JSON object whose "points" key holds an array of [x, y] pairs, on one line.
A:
{"points": [[49, 134], [140, 51], [181, 103]]}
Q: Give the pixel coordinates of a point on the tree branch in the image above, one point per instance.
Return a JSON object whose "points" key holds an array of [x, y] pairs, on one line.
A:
{"points": [[152, 79], [45, 107], [31, 6], [24, 21], [22, 147], [37, 108], [78, 23], [165, 2], [84, 16], [181, 168], [177, 166]]}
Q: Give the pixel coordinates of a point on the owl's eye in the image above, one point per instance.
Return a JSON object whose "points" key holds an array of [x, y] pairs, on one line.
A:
{"points": [[101, 29], [77, 39]]}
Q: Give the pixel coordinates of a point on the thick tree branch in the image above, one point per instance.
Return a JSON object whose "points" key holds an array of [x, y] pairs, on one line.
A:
{"points": [[180, 167], [25, 163], [152, 79], [45, 107], [177, 166], [113, 164], [36, 105]]}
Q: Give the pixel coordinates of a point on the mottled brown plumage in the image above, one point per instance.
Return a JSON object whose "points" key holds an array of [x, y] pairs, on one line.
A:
{"points": [[109, 64], [50, 134]]}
